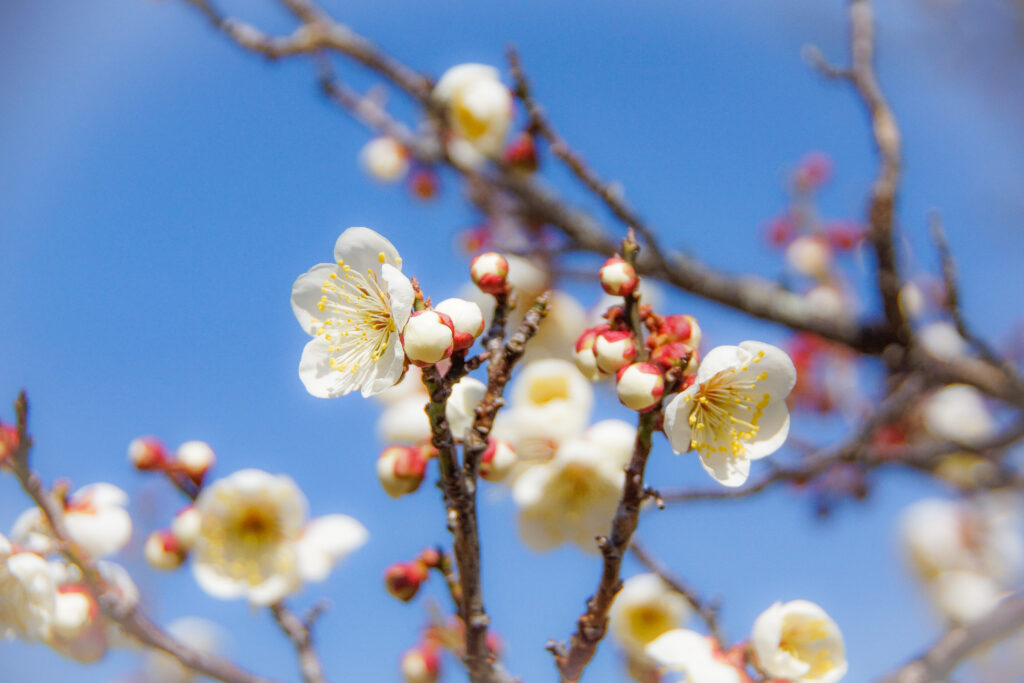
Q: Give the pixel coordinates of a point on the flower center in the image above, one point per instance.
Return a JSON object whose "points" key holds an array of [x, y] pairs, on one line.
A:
{"points": [[726, 412], [548, 389], [802, 639], [358, 324], [647, 622]]}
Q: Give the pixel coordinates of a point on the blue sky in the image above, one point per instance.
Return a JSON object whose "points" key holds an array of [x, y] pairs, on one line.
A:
{"points": [[160, 190]]}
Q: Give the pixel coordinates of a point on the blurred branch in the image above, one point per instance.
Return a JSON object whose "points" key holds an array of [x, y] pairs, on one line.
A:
{"points": [[300, 632], [114, 607], [960, 642], [708, 611]]}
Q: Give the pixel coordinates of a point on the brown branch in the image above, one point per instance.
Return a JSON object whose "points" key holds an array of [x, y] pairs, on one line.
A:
{"points": [[960, 642], [114, 607], [708, 611], [300, 632]]}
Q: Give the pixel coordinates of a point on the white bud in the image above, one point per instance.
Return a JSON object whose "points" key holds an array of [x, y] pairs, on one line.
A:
{"points": [[618, 278], [163, 551], [428, 337], [640, 386], [401, 470], [467, 319], [186, 526], [497, 461], [489, 272], [385, 159], [809, 256], [613, 349], [420, 665], [196, 457]]}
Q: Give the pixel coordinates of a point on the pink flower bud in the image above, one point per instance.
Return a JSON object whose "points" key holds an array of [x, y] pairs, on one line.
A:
{"points": [[618, 278], [490, 272], [614, 349], [497, 461], [421, 664], [586, 361], [401, 469], [403, 579], [640, 386], [676, 355], [185, 527], [423, 183], [147, 453], [428, 337], [467, 319], [521, 153], [163, 551], [680, 328], [195, 459]]}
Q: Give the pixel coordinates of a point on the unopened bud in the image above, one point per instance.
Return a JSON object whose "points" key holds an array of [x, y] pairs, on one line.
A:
{"points": [[676, 355], [521, 153], [147, 453], [185, 527], [428, 337], [430, 558], [680, 328], [489, 272], [403, 579], [421, 665], [586, 361], [467, 320], [401, 469], [385, 159], [809, 256], [497, 461], [618, 278], [640, 386], [195, 458], [163, 551], [614, 349], [423, 183]]}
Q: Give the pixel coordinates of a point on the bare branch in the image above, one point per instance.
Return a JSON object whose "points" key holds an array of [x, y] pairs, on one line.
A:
{"points": [[300, 632], [936, 663]]}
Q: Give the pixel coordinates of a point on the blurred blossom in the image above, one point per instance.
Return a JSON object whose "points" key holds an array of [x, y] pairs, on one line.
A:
{"points": [[645, 608], [479, 110], [95, 517], [942, 340], [958, 413], [799, 641], [385, 159], [697, 657]]}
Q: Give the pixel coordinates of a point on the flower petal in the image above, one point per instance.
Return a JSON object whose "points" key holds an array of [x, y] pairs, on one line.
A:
{"points": [[725, 468], [677, 420], [775, 364], [400, 293], [326, 540], [316, 373], [772, 430], [719, 359], [306, 293], [361, 248]]}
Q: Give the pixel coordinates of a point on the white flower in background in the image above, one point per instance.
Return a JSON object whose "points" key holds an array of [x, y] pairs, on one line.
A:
{"points": [[461, 407], [695, 656], [798, 640], [809, 256], [825, 300], [941, 339], [736, 410], [479, 106], [644, 609], [385, 159], [549, 402], [79, 630], [405, 422], [615, 438], [28, 595], [95, 517], [199, 634], [570, 499], [411, 385], [354, 309], [497, 461], [968, 554], [556, 337], [957, 413], [252, 534], [196, 458]]}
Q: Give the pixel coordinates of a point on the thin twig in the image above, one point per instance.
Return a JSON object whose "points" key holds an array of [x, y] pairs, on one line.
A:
{"points": [[300, 632]]}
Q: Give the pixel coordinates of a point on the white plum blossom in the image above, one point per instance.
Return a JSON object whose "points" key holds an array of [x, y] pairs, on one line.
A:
{"points": [[549, 402], [479, 107], [95, 517], [644, 609], [694, 655], [735, 411], [799, 641], [957, 413], [385, 159], [254, 541], [404, 421], [354, 309], [28, 595], [570, 499]]}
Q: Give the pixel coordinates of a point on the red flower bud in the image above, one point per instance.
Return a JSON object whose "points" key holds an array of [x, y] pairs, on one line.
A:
{"points": [[403, 579]]}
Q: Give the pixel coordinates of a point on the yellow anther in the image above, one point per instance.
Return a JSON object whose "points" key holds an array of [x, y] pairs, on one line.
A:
{"points": [[381, 257]]}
